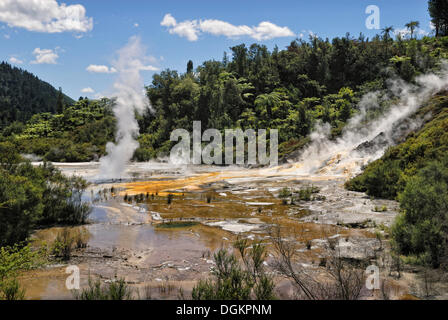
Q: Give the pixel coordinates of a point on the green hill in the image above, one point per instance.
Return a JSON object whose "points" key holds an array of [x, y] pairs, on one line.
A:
{"points": [[415, 172], [388, 176], [22, 95]]}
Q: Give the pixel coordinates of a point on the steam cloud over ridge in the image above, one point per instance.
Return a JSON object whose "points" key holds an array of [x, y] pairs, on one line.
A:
{"points": [[340, 156]]}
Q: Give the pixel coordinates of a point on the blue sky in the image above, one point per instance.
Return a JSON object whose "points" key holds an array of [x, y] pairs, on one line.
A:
{"points": [[60, 42]]}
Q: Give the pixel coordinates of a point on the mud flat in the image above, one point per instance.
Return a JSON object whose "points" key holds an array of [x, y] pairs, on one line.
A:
{"points": [[160, 246]]}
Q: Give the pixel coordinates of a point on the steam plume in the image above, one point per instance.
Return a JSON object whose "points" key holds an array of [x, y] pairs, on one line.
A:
{"points": [[130, 97], [342, 156]]}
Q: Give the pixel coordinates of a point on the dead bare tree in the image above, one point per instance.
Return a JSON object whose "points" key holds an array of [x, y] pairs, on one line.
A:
{"points": [[340, 280], [284, 263], [348, 280]]}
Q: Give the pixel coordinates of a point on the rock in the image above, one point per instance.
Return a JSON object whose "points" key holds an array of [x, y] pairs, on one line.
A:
{"points": [[316, 243], [183, 269], [357, 248]]}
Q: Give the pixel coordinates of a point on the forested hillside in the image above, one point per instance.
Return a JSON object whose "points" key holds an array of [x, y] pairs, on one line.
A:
{"points": [[289, 90], [22, 95], [415, 173], [79, 133], [387, 177]]}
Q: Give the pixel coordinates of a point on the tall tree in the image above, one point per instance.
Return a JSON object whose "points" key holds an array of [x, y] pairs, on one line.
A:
{"points": [[239, 63], [60, 102], [411, 26], [438, 10], [190, 67], [265, 103], [386, 33]]}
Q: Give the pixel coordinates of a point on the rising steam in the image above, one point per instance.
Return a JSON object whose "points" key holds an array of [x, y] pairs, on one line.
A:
{"points": [[344, 155], [129, 97]]}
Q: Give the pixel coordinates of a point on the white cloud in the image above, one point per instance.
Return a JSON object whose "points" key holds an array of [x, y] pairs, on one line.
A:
{"points": [[45, 56], [422, 32], [136, 25], [45, 16], [94, 68], [218, 27], [405, 32], [308, 33], [149, 68], [191, 29], [188, 29], [14, 60], [6, 36], [267, 30], [87, 90], [152, 59], [99, 95], [105, 69], [168, 21]]}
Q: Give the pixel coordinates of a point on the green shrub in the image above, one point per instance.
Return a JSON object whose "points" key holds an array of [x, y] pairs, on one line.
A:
{"points": [[169, 198], [17, 258], [34, 196], [284, 194], [64, 244], [234, 280], [380, 209], [421, 228], [209, 197], [12, 261], [306, 194], [11, 290], [380, 179], [115, 290], [177, 224]]}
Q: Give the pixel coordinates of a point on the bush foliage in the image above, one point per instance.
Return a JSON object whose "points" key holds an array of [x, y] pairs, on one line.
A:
{"points": [[36, 196]]}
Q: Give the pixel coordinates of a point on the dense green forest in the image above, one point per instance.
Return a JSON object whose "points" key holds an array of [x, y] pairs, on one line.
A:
{"points": [[22, 95], [79, 133], [289, 90], [251, 87], [438, 10]]}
